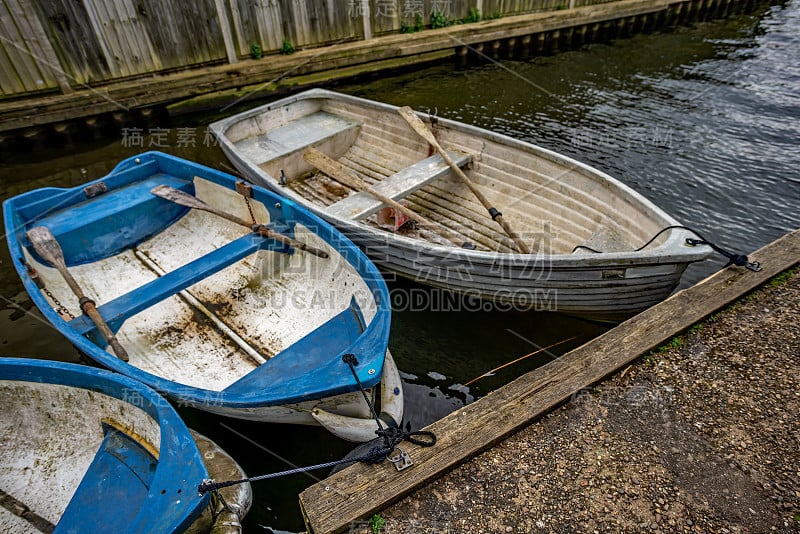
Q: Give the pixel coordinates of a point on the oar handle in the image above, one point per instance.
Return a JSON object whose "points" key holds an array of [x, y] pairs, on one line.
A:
{"points": [[89, 308], [418, 126], [263, 231]]}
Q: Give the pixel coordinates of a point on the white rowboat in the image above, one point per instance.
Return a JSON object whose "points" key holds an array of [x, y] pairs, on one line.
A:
{"points": [[585, 230]]}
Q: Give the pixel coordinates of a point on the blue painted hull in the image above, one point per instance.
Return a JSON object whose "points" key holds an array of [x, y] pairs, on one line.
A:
{"points": [[130, 484], [125, 214]]}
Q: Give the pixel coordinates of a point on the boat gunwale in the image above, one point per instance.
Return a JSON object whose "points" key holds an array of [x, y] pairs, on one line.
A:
{"points": [[672, 250]]}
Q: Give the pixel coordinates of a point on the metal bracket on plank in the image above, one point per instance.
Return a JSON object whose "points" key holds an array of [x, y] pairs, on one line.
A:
{"points": [[401, 460]]}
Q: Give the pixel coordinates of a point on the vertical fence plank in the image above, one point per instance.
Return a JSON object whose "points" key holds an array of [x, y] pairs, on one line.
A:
{"points": [[10, 83], [48, 62], [24, 64], [99, 32], [18, 78], [242, 47], [75, 44], [270, 29], [227, 35]]}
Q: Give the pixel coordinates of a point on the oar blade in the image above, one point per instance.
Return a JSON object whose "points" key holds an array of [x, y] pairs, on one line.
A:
{"points": [[416, 123], [178, 197], [331, 167], [190, 201], [46, 246]]}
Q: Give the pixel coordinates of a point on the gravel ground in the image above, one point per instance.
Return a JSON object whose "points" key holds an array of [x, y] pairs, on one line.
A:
{"points": [[701, 437]]}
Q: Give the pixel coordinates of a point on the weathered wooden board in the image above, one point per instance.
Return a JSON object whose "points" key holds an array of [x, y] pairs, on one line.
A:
{"points": [[360, 490], [81, 54], [23, 60], [182, 33]]}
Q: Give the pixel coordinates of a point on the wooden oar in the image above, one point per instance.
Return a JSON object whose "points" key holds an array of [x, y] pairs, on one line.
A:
{"points": [[184, 199], [342, 174], [416, 123], [46, 245]]}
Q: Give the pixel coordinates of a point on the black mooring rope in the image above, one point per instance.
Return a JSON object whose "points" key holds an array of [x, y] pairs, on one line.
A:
{"points": [[733, 258], [352, 361], [392, 437]]}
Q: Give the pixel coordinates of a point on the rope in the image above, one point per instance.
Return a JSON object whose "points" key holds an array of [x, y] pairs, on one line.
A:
{"points": [[733, 258], [375, 456], [392, 437], [352, 361]]}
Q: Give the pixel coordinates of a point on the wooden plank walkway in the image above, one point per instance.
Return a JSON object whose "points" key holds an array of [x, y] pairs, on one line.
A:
{"points": [[361, 490]]}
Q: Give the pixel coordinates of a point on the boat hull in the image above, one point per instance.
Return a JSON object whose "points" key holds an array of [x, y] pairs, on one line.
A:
{"points": [[86, 450], [557, 204]]}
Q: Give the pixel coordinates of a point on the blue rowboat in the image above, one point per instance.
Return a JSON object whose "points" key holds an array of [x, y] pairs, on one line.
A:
{"points": [[242, 305], [86, 450]]}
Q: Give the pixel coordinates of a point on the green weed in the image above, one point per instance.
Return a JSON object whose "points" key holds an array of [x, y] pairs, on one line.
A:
{"points": [[287, 48], [782, 278], [438, 20], [473, 16], [376, 523], [697, 328]]}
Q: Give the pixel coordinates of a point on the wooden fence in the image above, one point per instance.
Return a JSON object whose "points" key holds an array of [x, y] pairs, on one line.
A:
{"points": [[48, 45]]}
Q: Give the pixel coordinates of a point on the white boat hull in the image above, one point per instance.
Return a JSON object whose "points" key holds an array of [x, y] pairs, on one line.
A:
{"points": [[554, 202], [346, 416]]}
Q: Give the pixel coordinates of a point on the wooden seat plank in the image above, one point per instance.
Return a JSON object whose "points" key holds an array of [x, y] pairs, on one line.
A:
{"points": [[361, 205], [298, 134], [121, 308]]}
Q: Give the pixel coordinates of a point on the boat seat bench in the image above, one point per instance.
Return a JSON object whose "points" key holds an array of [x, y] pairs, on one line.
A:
{"points": [[310, 353], [298, 134], [121, 470], [117, 311], [361, 205], [106, 224]]}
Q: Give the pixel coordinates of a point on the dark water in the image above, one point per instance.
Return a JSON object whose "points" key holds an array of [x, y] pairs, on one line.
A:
{"points": [[703, 120]]}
